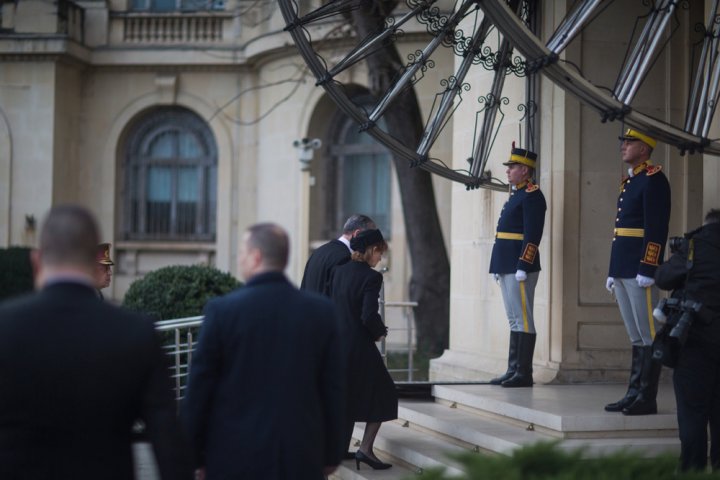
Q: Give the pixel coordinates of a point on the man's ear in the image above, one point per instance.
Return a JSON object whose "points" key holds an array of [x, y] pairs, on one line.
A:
{"points": [[36, 263], [256, 256]]}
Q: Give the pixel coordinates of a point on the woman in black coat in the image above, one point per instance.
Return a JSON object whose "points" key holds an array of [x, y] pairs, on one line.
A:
{"points": [[371, 391]]}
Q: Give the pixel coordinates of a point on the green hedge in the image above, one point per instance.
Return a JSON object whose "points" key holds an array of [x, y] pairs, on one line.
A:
{"points": [[547, 461], [178, 291], [16, 275]]}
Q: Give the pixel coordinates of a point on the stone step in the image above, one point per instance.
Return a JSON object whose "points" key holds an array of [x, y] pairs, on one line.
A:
{"points": [[412, 448], [492, 434], [564, 411], [476, 432], [348, 471]]}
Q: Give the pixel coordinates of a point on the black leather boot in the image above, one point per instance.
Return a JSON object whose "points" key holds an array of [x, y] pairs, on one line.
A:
{"points": [[633, 383], [512, 360], [523, 375], [645, 403]]}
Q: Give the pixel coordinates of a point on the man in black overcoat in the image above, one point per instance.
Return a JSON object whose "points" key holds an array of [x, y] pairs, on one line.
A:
{"points": [[76, 372], [266, 394], [324, 259], [694, 273]]}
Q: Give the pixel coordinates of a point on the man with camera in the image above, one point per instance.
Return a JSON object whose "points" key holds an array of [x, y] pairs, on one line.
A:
{"points": [[693, 271]]}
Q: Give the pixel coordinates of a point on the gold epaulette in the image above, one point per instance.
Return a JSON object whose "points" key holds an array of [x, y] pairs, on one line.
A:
{"points": [[531, 187], [653, 169]]}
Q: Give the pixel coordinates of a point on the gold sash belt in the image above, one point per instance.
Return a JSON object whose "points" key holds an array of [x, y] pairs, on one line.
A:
{"points": [[629, 232], [509, 236]]}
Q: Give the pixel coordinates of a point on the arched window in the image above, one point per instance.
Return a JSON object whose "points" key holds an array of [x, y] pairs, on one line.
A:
{"points": [[362, 172], [171, 178]]}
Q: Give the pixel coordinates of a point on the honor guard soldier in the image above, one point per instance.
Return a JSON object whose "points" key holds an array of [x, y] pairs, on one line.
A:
{"points": [[515, 263], [103, 268], [641, 230]]}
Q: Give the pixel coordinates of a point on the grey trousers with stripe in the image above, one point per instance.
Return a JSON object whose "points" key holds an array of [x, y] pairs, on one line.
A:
{"points": [[519, 298], [636, 306]]}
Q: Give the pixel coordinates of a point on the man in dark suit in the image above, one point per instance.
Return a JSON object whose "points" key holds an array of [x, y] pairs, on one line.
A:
{"points": [[266, 399], [325, 258], [76, 372]]}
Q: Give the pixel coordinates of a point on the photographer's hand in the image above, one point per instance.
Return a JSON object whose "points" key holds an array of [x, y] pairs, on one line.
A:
{"points": [[644, 282]]}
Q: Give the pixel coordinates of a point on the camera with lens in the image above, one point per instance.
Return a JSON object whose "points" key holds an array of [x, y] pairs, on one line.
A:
{"points": [[678, 314], [675, 244]]}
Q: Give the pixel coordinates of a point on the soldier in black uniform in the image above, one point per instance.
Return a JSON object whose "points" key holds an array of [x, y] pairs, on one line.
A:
{"points": [[695, 269], [641, 229], [515, 262]]}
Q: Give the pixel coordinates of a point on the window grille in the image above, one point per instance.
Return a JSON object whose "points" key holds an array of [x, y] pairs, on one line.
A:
{"points": [[362, 177], [171, 178]]}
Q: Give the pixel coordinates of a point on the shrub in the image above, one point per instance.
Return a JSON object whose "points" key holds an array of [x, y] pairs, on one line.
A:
{"points": [[546, 461], [178, 291], [16, 275]]}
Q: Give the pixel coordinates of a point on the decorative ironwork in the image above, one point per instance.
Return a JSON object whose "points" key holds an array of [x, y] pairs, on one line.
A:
{"points": [[705, 91], [637, 62]]}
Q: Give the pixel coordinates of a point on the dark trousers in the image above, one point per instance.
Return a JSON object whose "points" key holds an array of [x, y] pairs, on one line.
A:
{"points": [[697, 391]]}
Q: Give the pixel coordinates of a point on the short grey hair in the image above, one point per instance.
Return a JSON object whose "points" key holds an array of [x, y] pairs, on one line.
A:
{"points": [[358, 222]]}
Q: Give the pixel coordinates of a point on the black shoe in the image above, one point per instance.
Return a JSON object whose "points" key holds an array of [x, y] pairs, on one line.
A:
{"points": [[376, 465], [517, 381], [641, 407], [349, 456]]}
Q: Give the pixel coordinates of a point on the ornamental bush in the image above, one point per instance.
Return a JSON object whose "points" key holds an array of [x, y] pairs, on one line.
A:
{"points": [[547, 461], [16, 275], [178, 291]]}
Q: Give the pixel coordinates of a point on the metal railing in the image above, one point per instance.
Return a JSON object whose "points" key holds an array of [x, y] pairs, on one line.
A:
{"points": [[179, 339]]}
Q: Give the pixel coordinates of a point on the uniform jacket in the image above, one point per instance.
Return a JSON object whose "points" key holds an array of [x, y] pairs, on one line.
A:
{"points": [[523, 215], [644, 207], [75, 373], [371, 391], [703, 282], [319, 267], [265, 399]]}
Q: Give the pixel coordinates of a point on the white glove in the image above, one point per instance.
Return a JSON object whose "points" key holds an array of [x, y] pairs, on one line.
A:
{"points": [[610, 284], [520, 276], [496, 277], [644, 282]]}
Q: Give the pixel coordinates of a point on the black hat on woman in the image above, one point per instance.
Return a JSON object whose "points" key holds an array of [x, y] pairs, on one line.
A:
{"points": [[364, 239]]}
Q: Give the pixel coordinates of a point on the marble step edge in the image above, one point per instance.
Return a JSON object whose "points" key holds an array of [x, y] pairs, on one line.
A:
{"points": [[348, 471], [468, 429], [599, 423], [413, 448], [479, 433]]}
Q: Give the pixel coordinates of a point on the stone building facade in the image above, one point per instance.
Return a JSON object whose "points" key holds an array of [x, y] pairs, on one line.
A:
{"points": [[174, 121]]}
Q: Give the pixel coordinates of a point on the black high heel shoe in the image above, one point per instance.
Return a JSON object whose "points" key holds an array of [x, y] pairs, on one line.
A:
{"points": [[376, 465]]}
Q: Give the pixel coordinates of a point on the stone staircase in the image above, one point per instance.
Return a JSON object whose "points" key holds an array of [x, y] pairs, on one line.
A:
{"points": [[494, 420]]}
